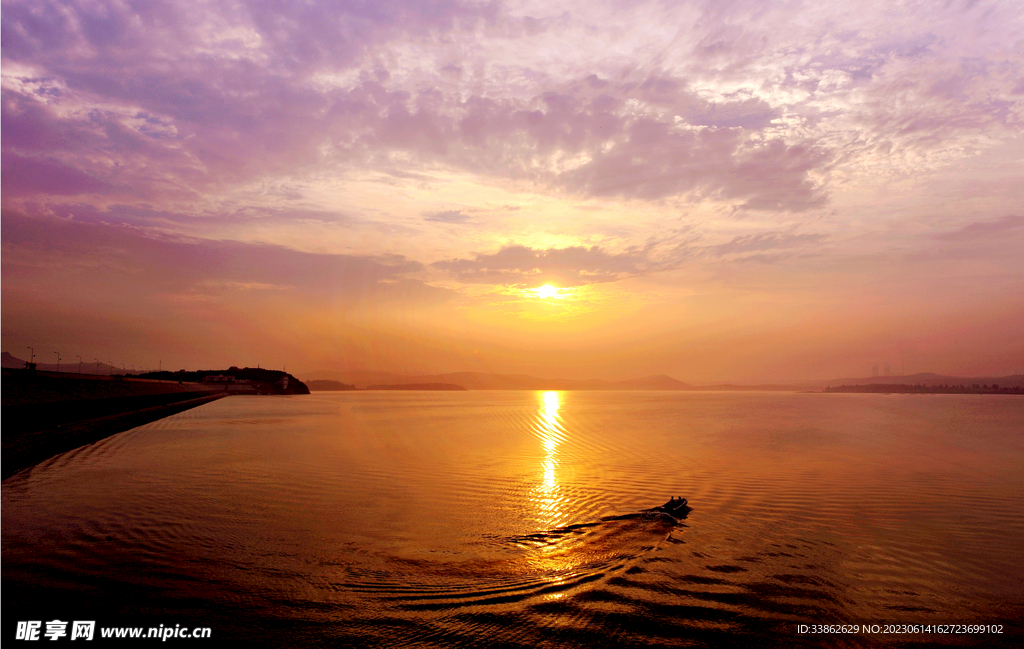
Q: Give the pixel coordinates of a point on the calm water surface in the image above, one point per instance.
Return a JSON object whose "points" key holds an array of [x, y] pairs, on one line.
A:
{"points": [[511, 519]]}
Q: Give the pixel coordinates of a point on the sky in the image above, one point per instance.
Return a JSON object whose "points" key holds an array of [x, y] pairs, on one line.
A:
{"points": [[721, 190]]}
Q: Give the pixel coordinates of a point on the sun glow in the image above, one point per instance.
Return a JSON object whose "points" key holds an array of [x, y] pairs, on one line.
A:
{"points": [[547, 291]]}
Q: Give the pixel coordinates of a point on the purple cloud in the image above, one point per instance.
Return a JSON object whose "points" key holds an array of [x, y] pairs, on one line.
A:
{"points": [[984, 229], [223, 105], [146, 94], [573, 266], [139, 262], [27, 176]]}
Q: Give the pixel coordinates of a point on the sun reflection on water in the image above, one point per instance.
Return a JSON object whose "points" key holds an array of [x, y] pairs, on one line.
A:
{"points": [[547, 494]]}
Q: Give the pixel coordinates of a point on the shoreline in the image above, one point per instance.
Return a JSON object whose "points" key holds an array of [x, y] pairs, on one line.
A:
{"points": [[26, 450], [49, 413]]}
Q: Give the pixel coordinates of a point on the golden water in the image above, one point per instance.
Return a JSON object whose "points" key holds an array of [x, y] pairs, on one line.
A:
{"points": [[511, 519]]}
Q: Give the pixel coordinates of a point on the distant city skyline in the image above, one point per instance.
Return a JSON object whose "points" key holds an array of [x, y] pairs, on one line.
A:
{"points": [[744, 191]]}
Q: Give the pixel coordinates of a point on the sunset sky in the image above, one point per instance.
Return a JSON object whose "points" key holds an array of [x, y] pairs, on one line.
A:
{"points": [[716, 190]]}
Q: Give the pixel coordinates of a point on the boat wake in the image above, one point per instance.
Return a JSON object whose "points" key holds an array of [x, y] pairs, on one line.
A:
{"points": [[526, 566]]}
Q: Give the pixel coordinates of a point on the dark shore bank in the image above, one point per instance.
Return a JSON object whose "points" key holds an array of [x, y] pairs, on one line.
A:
{"points": [[906, 388], [48, 413]]}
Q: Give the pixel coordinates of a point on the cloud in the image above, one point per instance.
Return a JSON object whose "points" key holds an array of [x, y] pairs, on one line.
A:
{"points": [[202, 95], [521, 265], [139, 262], [29, 175], [764, 241], [450, 216], [174, 103], [984, 229], [572, 266], [655, 161], [649, 138], [160, 101]]}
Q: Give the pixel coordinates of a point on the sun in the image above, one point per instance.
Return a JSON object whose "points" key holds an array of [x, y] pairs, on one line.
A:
{"points": [[546, 291]]}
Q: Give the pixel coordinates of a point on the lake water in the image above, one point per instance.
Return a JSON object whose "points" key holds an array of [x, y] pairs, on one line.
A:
{"points": [[513, 519]]}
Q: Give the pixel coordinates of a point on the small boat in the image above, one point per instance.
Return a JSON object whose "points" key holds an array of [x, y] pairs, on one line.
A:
{"points": [[675, 507]]}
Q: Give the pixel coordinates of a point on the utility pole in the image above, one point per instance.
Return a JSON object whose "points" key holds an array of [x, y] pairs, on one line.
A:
{"points": [[32, 358], [79, 363], [58, 360]]}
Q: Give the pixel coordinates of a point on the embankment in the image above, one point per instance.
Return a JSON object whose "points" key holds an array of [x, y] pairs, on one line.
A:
{"points": [[48, 413]]}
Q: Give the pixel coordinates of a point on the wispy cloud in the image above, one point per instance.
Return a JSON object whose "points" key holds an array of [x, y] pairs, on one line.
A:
{"points": [[168, 101], [123, 255], [448, 216], [984, 229], [764, 241], [521, 265]]}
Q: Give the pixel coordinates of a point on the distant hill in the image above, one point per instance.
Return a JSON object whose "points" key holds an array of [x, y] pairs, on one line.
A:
{"points": [[657, 382], [904, 388], [929, 379], [482, 381], [359, 378], [321, 385], [759, 387], [418, 386], [260, 380], [6, 360]]}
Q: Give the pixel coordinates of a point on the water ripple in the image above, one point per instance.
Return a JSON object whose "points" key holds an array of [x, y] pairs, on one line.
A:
{"points": [[427, 519]]}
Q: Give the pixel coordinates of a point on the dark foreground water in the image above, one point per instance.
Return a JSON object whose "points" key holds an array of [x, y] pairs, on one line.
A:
{"points": [[511, 519]]}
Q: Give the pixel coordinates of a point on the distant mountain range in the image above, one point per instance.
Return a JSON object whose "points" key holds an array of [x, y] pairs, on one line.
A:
{"points": [[483, 381], [480, 381], [929, 379], [435, 387]]}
